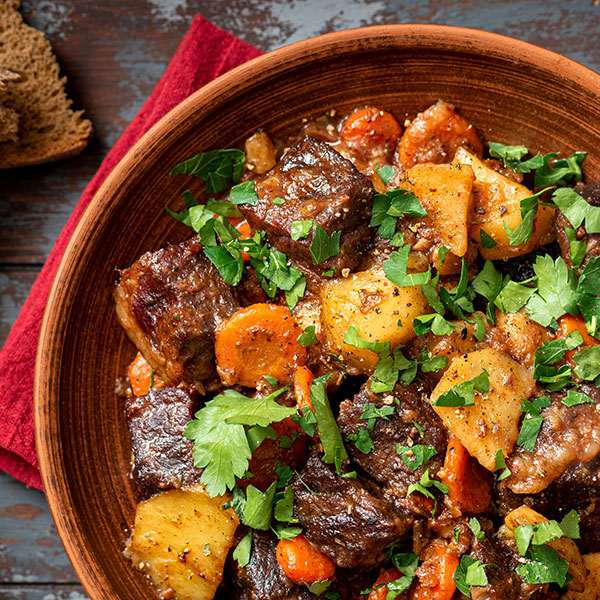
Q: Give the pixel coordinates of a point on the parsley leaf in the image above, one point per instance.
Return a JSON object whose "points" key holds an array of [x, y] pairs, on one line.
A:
{"points": [[532, 421], [324, 246], [463, 394], [528, 208], [395, 269], [510, 155], [423, 486], [221, 207], [433, 322], [561, 171], [221, 445], [574, 398], [362, 440], [217, 168], [588, 364], [470, 572], [546, 531], [229, 264], [258, 509], [385, 173], [475, 527], [577, 248], [513, 297], [415, 456], [300, 229], [577, 210], [309, 337], [243, 193], [391, 205], [487, 241], [242, 551], [329, 433], [555, 293], [371, 412], [544, 565], [501, 464]]}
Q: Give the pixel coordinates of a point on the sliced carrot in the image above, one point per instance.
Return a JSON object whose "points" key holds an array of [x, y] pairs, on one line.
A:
{"points": [[380, 593], [436, 572], [469, 486], [371, 130], [302, 382], [302, 562], [569, 323], [259, 340], [141, 378]]}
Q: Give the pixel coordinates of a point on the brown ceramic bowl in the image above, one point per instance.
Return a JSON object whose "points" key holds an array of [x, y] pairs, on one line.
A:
{"points": [[511, 91]]}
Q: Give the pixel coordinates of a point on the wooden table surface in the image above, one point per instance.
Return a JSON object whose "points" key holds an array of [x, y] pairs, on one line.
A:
{"points": [[113, 53]]}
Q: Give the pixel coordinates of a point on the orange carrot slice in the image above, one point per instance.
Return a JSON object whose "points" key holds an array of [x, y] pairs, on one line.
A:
{"points": [[302, 562]]}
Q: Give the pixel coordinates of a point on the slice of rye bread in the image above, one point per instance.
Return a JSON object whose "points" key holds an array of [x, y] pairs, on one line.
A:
{"points": [[9, 119], [47, 127]]}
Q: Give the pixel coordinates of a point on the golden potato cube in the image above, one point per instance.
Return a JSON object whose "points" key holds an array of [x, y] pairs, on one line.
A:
{"points": [[180, 541], [496, 200], [492, 424], [591, 590], [522, 335], [445, 193], [374, 305]]}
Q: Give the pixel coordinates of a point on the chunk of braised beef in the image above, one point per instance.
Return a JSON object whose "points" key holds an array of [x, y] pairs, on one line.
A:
{"points": [[591, 194], [411, 411], [162, 456], [316, 183], [347, 519], [568, 436], [503, 581], [170, 302], [262, 578]]}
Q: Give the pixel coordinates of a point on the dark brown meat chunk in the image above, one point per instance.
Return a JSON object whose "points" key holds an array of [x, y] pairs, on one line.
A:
{"points": [[262, 578], [569, 435], [162, 456], [170, 303], [317, 183], [590, 193], [344, 518], [383, 463]]}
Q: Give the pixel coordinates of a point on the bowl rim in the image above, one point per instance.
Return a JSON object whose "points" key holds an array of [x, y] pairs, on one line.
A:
{"points": [[472, 40]]}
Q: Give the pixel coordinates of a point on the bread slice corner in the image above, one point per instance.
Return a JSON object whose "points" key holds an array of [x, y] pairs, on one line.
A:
{"points": [[36, 119]]}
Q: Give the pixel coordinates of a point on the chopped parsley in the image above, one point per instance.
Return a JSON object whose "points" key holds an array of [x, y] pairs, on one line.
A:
{"points": [[329, 433], [217, 168], [221, 445], [395, 269], [577, 210], [388, 207], [501, 464], [362, 440], [242, 551], [385, 173], [301, 229], [573, 398], [528, 208], [470, 572], [424, 485], [324, 246], [532, 421], [463, 394], [309, 337], [243, 193], [475, 527], [415, 456]]}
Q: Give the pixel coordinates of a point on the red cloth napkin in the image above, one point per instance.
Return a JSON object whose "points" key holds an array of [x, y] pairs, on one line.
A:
{"points": [[205, 53]]}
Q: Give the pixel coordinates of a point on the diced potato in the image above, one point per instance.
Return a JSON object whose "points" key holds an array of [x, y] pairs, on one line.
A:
{"points": [[565, 547], [523, 336], [374, 305], [492, 424], [496, 200], [445, 193], [591, 590], [260, 152], [180, 540]]}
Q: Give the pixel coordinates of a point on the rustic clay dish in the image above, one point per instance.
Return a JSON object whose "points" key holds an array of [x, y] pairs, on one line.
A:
{"points": [[511, 91]]}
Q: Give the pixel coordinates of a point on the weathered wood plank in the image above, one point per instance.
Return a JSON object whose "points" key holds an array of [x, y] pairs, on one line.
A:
{"points": [[30, 549], [45, 592]]}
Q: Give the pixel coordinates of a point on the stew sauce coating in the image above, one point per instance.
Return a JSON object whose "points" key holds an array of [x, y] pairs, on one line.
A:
{"points": [[430, 428]]}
